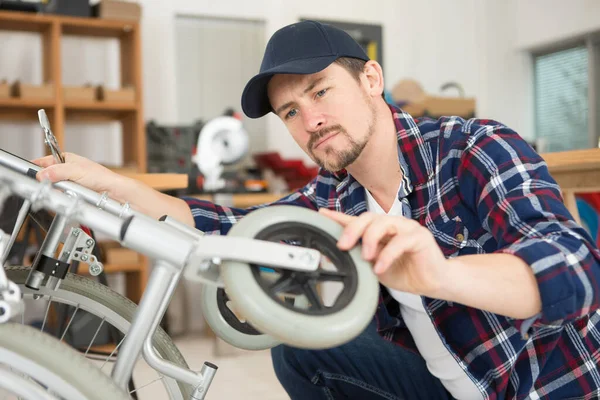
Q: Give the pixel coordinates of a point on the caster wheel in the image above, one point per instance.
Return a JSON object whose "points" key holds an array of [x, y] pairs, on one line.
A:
{"points": [[317, 321], [218, 311]]}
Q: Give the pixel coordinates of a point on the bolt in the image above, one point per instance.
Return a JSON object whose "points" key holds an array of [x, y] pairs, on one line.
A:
{"points": [[75, 233], [84, 257], [95, 269], [89, 242]]}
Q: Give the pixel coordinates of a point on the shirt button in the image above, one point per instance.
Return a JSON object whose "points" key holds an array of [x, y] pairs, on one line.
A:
{"points": [[460, 237]]}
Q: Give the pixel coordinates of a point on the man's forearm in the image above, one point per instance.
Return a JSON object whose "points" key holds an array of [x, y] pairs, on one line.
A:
{"points": [[146, 200], [499, 283]]}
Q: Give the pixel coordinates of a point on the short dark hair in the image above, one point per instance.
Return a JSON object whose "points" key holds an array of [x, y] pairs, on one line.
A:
{"points": [[354, 66]]}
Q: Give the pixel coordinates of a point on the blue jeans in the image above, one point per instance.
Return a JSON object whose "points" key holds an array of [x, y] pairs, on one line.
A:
{"points": [[368, 367]]}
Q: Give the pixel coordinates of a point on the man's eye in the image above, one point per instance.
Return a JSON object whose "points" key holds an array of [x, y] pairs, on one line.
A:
{"points": [[321, 93], [291, 113]]}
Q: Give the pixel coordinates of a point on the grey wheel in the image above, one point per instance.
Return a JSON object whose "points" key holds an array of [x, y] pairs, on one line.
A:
{"points": [[114, 309], [259, 298], [54, 365], [220, 315]]}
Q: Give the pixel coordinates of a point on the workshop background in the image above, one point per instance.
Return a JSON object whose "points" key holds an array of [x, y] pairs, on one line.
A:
{"points": [[132, 85]]}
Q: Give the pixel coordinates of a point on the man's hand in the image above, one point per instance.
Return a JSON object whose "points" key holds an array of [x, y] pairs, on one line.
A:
{"points": [[98, 178], [405, 255], [407, 258], [82, 171]]}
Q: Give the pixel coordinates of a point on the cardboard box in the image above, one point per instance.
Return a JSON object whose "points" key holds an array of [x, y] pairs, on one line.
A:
{"points": [[27, 91], [115, 9], [123, 95], [4, 89], [79, 93]]}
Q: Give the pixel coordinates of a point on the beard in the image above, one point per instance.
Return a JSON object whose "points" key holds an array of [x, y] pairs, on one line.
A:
{"points": [[336, 159]]}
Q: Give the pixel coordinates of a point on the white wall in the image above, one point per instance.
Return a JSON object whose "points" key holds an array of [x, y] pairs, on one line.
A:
{"points": [[540, 22], [480, 44]]}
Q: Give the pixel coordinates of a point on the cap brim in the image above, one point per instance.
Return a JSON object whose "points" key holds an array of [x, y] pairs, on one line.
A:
{"points": [[255, 99]]}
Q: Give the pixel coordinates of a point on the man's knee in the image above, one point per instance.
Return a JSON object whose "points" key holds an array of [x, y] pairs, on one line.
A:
{"points": [[290, 360]]}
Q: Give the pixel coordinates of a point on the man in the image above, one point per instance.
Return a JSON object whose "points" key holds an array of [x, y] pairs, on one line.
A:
{"points": [[489, 288]]}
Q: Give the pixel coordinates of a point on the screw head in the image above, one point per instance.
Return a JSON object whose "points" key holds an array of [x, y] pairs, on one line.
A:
{"points": [[95, 269], [84, 257], [89, 242]]}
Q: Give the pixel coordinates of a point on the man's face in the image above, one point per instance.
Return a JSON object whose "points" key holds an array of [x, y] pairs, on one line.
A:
{"points": [[329, 114]]}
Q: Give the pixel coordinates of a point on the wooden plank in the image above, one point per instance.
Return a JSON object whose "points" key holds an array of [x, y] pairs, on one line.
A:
{"points": [[159, 181], [34, 22], [96, 27], [244, 200], [101, 106], [24, 21], [26, 104], [574, 160], [582, 181]]}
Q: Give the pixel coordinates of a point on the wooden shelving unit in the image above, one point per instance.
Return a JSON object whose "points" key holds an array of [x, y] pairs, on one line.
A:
{"points": [[52, 29]]}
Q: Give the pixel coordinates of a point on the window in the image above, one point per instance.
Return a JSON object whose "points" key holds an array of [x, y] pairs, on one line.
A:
{"points": [[565, 88]]}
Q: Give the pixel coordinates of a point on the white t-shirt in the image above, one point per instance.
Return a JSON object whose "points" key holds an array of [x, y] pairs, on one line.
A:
{"points": [[439, 361]]}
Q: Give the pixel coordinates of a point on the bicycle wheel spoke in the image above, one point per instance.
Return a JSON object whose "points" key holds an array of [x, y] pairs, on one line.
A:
{"points": [[113, 352], [69, 324], [95, 334], [46, 315], [161, 377]]}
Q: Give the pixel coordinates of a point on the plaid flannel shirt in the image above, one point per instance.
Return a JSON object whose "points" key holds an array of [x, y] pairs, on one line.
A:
{"points": [[479, 188]]}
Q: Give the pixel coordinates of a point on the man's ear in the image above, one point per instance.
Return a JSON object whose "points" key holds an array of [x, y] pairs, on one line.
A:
{"points": [[373, 75]]}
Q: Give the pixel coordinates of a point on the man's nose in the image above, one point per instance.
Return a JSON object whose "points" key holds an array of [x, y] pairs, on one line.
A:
{"points": [[313, 120]]}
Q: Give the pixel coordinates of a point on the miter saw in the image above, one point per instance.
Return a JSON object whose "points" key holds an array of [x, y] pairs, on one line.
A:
{"points": [[222, 141]]}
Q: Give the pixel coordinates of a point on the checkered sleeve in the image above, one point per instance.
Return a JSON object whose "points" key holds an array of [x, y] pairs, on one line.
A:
{"points": [[520, 204], [212, 218]]}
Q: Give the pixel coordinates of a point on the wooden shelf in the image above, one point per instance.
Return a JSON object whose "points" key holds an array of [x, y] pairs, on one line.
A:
{"points": [[96, 27], [99, 106], [24, 21], [52, 28], [240, 200], [98, 111], [26, 103], [80, 26], [16, 109]]}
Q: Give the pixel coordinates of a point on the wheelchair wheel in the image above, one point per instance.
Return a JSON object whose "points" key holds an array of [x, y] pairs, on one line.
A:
{"points": [[260, 296], [220, 315]]}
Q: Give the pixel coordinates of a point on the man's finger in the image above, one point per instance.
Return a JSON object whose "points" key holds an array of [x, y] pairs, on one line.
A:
{"points": [[381, 229], [337, 216], [354, 231], [59, 172], [44, 161]]}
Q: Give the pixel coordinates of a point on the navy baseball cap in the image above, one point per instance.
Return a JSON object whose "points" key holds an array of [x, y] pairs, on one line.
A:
{"points": [[305, 47]]}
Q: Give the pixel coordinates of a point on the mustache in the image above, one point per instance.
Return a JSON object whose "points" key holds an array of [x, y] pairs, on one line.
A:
{"points": [[324, 132]]}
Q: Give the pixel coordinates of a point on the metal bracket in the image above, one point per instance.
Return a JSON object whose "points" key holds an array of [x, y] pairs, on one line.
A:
{"points": [[78, 239]]}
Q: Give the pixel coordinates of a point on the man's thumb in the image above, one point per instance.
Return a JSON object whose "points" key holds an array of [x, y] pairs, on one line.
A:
{"points": [[55, 173]]}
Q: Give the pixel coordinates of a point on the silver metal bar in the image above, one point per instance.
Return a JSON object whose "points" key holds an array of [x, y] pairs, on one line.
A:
{"points": [[48, 248], [258, 252], [152, 358], [208, 372], [143, 320], [25, 167], [183, 228]]}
